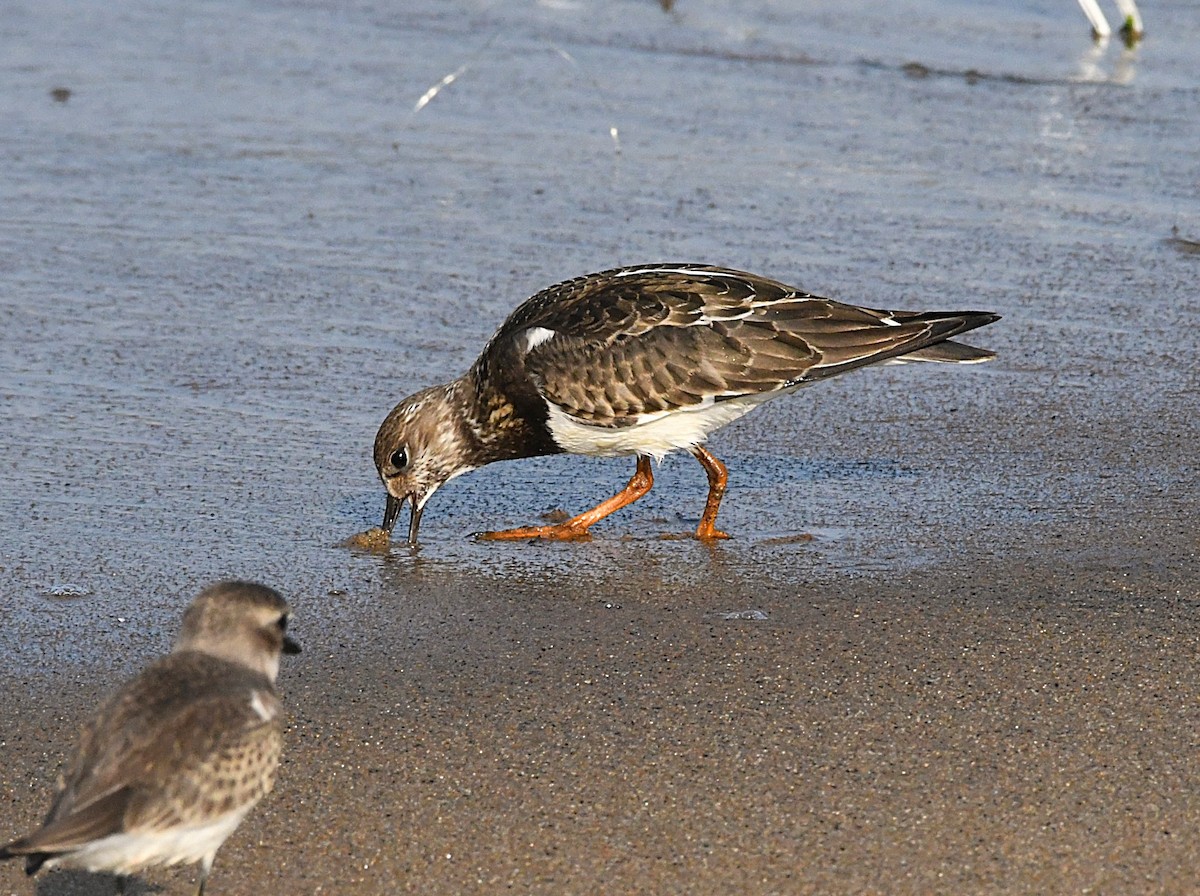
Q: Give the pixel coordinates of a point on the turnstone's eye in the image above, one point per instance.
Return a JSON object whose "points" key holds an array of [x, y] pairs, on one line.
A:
{"points": [[282, 623], [399, 459]]}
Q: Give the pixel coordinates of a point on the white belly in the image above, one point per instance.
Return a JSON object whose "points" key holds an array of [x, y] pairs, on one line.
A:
{"points": [[132, 851], [655, 435]]}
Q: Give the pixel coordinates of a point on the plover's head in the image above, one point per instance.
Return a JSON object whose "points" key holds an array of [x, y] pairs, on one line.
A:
{"points": [[420, 446], [241, 622]]}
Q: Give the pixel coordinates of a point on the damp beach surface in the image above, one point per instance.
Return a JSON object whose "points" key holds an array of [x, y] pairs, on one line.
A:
{"points": [[952, 645]]}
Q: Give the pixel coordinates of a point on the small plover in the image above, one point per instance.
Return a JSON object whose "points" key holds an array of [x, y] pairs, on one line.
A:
{"points": [[171, 763]]}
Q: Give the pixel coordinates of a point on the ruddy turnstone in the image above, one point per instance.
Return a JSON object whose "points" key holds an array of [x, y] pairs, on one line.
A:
{"points": [[643, 361], [169, 766]]}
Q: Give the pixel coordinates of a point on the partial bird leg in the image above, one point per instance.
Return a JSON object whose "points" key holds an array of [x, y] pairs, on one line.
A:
{"points": [[718, 476], [206, 864], [577, 526]]}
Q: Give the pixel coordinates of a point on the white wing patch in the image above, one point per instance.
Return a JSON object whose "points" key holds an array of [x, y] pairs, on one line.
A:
{"points": [[265, 711], [533, 337]]}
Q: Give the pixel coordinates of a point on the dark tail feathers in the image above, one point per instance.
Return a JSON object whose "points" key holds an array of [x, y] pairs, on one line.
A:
{"points": [[33, 860]]}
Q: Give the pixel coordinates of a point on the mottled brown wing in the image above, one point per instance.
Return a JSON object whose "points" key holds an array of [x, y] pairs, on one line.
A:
{"points": [[611, 347], [630, 301], [160, 726], [236, 769], [99, 818]]}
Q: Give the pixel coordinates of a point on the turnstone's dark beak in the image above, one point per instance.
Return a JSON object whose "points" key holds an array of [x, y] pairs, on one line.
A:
{"points": [[392, 510], [290, 646], [414, 518]]}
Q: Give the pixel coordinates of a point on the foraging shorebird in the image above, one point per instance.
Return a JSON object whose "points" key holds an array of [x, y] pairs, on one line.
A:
{"points": [[169, 766], [640, 361]]}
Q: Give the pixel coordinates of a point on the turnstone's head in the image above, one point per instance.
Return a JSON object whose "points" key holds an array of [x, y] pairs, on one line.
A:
{"points": [[420, 445]]}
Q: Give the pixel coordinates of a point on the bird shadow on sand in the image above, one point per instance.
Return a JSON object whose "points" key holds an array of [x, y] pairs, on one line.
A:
{"points": [[85, 883]]}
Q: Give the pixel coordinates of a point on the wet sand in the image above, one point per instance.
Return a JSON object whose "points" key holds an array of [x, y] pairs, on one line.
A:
{"points": [[984, 727], [234, 246]]}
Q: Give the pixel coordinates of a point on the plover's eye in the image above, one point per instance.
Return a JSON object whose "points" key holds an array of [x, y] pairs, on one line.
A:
{"points": [[399, 459]]}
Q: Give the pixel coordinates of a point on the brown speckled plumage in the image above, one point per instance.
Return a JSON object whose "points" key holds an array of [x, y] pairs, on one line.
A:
{"points": [[190, 743], [640, 361]]}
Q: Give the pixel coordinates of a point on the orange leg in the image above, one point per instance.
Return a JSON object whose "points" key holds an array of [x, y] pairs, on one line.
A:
{"points": [[577, 526], [718, 476]]}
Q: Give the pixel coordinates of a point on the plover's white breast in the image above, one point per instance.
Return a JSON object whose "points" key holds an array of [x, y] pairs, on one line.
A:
{"points": [[131, 851]]}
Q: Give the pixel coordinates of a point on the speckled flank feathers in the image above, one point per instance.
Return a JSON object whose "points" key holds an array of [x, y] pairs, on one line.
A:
{"points": [[171, 763], [643, 361]]}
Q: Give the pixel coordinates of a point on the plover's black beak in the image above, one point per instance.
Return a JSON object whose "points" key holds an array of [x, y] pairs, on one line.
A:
{"points": [[290, 646], [391, 510], [414, 518]]}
